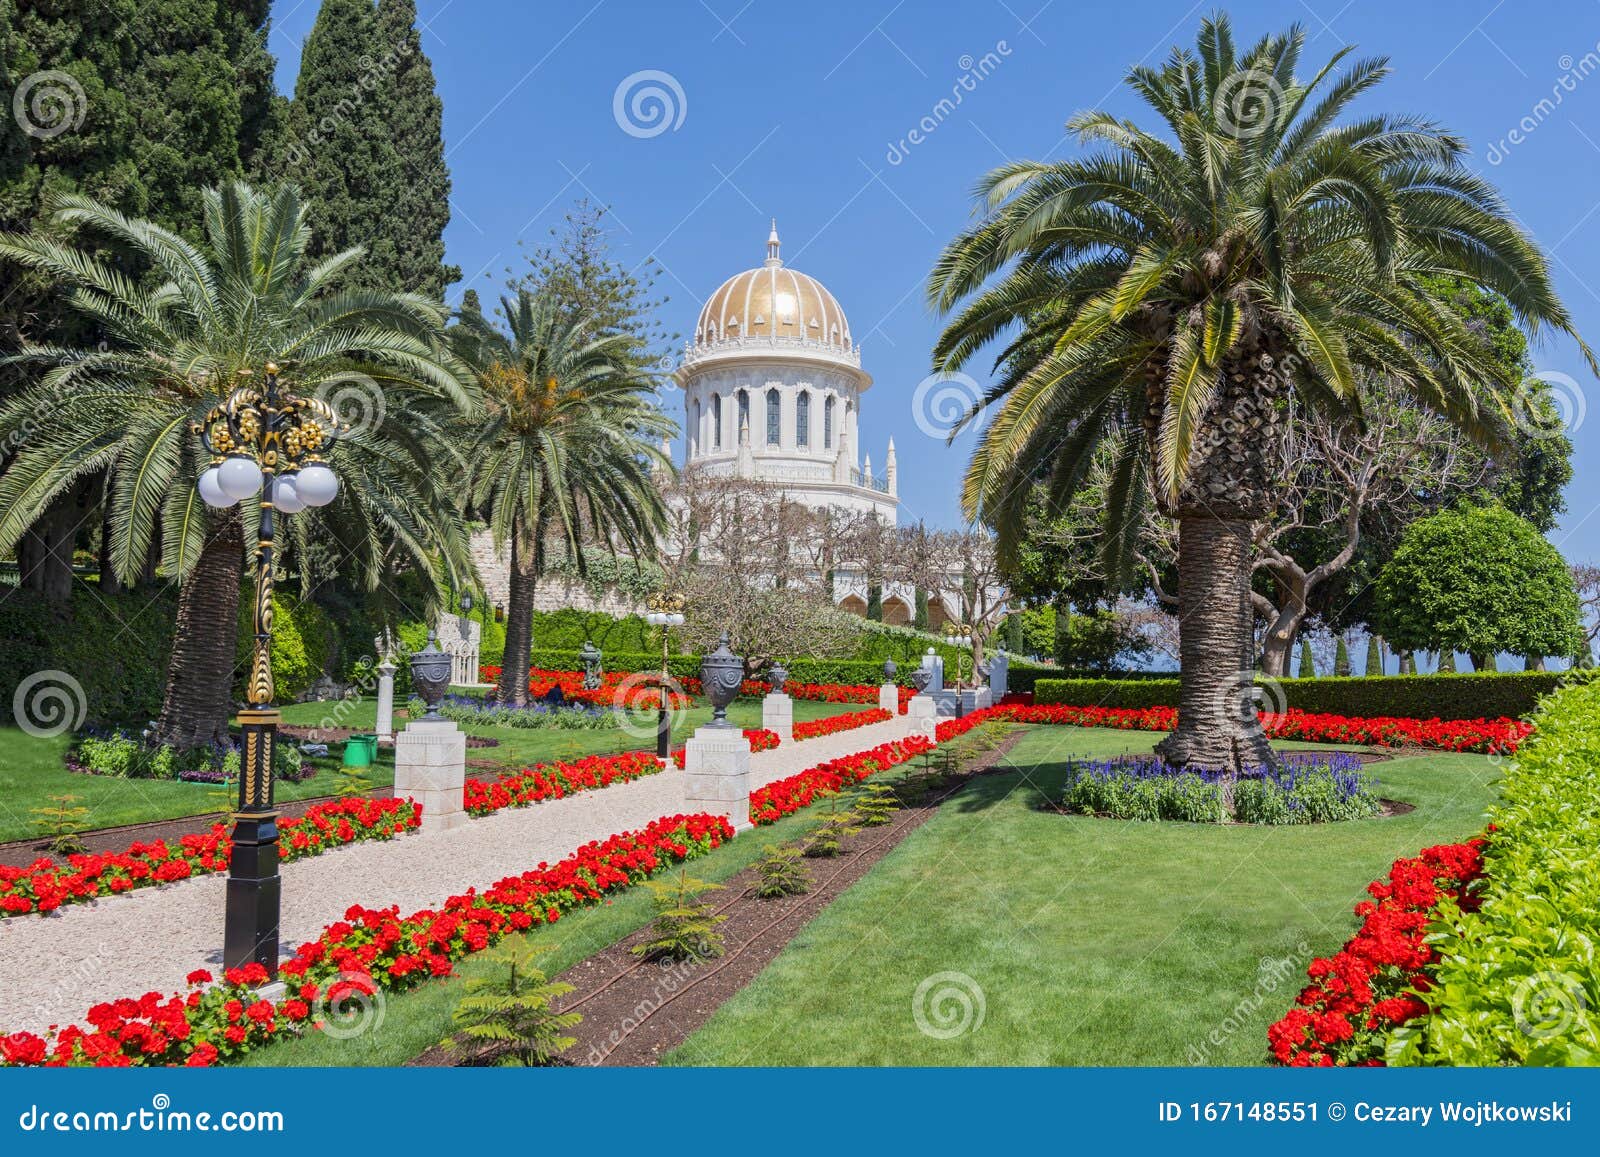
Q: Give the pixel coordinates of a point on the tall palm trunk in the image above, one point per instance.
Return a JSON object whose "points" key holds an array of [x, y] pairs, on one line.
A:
{"points": [[513, 689], [200, 674], [1217, 725], [1227, 489]]}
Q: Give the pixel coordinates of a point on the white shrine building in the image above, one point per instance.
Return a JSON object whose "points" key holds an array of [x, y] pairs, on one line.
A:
{"points": [[773, 388]]}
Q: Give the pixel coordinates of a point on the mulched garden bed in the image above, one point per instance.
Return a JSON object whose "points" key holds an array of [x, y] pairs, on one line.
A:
{"points": [[636, 1011]]}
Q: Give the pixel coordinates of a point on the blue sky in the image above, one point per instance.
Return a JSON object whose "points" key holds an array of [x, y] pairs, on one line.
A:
{"points": [[804, 112]]}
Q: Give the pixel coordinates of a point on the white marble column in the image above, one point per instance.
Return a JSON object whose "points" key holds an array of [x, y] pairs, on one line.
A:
{"points": [[385, 728]]}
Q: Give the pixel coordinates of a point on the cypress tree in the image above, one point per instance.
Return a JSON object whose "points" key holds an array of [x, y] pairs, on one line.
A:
{"points": [[1341, 657], [1447, 663], [1308, 662], [421, 183], [1374, 656], [339, 148], [141, 104], [921, 619]]}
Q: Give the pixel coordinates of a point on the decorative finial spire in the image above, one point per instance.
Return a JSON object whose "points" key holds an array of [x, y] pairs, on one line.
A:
{"points": [[773, 243]]}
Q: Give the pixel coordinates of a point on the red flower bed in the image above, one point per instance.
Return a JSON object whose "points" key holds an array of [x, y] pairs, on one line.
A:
{"points": [[45, 885], [786, 796], [833, 724], [760, 739], [1484, 736], [1369, 985], [571, 683], [370, 949], [644, 690], [555, 780]]}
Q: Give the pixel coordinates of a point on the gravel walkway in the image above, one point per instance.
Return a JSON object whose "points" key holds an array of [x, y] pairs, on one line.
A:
{"points": [[52, 968]]}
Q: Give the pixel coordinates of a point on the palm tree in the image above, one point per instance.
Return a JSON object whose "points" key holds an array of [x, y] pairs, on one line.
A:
{"points": [[174, 345], [1159, 298], [565, 453]]}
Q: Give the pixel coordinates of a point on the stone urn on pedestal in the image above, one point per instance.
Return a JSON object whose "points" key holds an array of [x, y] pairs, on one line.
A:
{"points": [[716, 760], [777, 709], [889, 693], [430, 755]]}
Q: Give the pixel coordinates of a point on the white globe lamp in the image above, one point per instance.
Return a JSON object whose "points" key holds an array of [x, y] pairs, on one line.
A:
{"points": [[210, 488], [285, 498], [316, 484], [238, 477]]}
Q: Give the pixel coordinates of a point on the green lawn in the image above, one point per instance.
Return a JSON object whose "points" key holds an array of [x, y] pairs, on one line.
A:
{"points": [[1094, 942], [31, 770]]}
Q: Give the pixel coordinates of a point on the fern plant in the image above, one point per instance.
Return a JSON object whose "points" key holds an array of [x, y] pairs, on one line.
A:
{"points": [[507, 1017], [826, 840], [62, 823], [876, 806], [685, 927], [782, 873]]}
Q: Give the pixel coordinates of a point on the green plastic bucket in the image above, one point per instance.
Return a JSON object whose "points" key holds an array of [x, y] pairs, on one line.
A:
{"points": [[360, 750]]}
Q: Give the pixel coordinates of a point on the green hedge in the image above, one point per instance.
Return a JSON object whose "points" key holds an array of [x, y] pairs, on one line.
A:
{"points": [[115, 646], [1466, 696], [1515, 982], [856, 672]]}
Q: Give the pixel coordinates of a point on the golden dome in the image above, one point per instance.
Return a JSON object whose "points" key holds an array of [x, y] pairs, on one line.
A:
{"points": [[773, 304]]}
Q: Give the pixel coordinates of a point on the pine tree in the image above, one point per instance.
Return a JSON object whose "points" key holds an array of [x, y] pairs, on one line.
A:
{"points": [[1308, 662], [581, 271], [1374, 655], [421, 182], [339, 147]]}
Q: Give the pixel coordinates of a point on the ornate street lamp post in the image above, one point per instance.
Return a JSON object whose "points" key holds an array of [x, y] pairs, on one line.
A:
{"points": [[665, 610], [960, 635], [271, 442]]}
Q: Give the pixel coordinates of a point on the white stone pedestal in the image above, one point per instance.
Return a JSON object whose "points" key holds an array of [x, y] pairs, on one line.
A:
{"points": [[923, 712], [975, 699], [716, 775], [430, 766], [385, 728], [889, 698], [777, 714]]}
